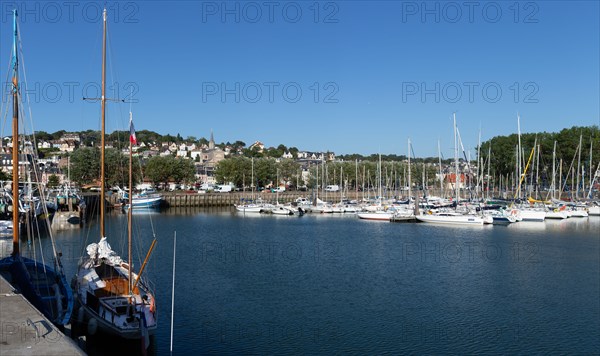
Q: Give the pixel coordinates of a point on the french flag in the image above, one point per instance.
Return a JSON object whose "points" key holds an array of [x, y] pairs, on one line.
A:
{"points": [[132, 137]]}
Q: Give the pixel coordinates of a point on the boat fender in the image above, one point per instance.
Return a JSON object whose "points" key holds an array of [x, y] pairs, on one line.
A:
{"points": [[152, 306], [92, 326]]}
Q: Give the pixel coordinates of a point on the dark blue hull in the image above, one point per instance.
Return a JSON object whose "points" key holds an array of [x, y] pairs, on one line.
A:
{"points": [[45, 289]]}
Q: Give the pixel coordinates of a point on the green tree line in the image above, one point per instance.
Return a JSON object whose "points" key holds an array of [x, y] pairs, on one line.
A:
{"points": [[504, 157], [85, 168]]}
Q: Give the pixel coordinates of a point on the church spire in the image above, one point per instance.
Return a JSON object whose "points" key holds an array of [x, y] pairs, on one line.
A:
{"points": [[211, 143]]}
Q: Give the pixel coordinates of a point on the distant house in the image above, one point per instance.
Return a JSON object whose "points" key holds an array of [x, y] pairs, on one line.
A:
{"points": [[260, 145], [44, 144], [71, 137], [450, 181], [195, 153], [287, 155], [181, 153]]}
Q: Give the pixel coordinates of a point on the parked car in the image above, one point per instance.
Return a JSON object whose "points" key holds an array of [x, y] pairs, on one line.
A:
{"points": [[223, 189], [279, 189], [332, 188]]}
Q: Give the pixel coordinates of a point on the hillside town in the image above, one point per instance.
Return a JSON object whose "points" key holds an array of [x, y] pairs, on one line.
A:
{"points": [[205, 157]]}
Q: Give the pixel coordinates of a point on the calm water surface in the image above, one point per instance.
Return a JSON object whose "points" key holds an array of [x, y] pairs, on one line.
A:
{"points": [[336, 284]]}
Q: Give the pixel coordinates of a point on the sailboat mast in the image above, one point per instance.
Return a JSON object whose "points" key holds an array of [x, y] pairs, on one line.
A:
{"points": [[456, 178], [15, 139], [489, 159], [579, 165], [591, 168], [440, 164], [554, 171], [356, 181], [519, 153], [479, 165], [102, 138], [409, 174], [129, 211]]}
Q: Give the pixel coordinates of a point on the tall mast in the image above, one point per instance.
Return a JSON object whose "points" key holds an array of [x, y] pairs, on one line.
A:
{"points": [[356, 181], [591, 168], [15, 139], [409, 175], [554, 171], [578, 166], [537, 170], [129, 212], [103, 110], [440, 164], [317, 187], [456, 178], [560, 180], [489, 159], [519, 154], [479, 164], [380, 194]]}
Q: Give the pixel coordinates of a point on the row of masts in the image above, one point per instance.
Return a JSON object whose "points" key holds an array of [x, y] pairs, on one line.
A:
{"points": [[525, 183]]}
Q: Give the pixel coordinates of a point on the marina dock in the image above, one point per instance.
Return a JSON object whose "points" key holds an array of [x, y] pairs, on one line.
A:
{"points": [[25, 331]]}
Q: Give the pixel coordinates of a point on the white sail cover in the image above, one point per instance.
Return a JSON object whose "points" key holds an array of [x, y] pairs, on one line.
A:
{"points": [[102, 250]]}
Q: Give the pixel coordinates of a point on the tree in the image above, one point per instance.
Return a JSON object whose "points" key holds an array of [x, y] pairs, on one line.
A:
{"points": [[288, 170], [85, 165], [53, 181], [162, 169], [4, 177], [235, 169], [265, 171], [43, 136], [158, 169], [183, 171]]}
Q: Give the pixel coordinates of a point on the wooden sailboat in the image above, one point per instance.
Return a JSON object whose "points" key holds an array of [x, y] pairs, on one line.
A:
{"points": [[44, 287], [111, 297]]}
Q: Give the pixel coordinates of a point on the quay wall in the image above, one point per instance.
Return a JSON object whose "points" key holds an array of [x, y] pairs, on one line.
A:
{"points": [[193, 199]]}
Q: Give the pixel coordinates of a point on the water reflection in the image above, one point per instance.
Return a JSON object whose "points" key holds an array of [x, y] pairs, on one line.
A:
{"points": [[325, 283]]}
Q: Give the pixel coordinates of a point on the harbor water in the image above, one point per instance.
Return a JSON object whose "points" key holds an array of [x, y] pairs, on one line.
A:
{"points": [[317, 284]]}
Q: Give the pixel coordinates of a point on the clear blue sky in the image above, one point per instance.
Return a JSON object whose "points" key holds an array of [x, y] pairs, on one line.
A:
{"points": [[372, 62]]}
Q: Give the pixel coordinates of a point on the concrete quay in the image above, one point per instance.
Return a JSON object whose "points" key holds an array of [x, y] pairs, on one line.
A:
{"points": [[25, 331]]}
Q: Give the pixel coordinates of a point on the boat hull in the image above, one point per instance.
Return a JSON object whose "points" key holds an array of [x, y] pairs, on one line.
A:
{"points": [[42, 286], [533, 215], [451, 220], [375, 216], [141, 203]]}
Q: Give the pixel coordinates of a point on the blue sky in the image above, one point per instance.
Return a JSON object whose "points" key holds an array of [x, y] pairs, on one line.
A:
{"points": [[346, 76]]}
